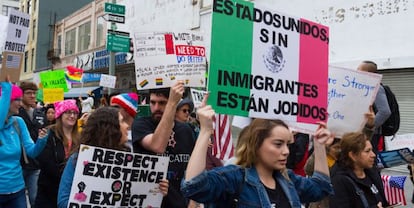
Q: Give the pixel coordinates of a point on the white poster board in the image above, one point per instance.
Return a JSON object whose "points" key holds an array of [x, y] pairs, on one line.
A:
{"points": [[162, 58], [399, 142], [3, 31], [107, 81], [197, 96], [17, 31], [110, 178], [350, 94]]}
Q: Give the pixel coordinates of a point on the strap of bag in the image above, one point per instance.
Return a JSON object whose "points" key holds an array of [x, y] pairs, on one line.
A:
{"points": [[17, 128], [359, 192]]}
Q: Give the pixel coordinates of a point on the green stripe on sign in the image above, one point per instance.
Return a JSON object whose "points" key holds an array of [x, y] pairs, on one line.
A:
{"points": [[231, 57]]}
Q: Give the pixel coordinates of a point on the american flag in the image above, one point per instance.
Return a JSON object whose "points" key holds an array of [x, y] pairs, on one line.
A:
{"points": [[13, 61], [394, 189], [223, 142]]}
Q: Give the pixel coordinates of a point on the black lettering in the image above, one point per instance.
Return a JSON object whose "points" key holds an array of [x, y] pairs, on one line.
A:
{"points": [[98, 155]]}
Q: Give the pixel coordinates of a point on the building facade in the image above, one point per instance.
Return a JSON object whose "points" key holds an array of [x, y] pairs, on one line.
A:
{"points": [[5, 5], [43, 15]]}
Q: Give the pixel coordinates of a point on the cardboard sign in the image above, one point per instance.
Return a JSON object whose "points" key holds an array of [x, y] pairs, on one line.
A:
{"points": [[110, 178], [54, 79], [162, 58], [399, 141], [107, 81], [11, 65], [51, 95], [267, 64]]}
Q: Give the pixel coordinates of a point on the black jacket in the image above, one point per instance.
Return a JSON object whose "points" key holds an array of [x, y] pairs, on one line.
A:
{"points": [[345, 194], [52, 162], [33, 126]]}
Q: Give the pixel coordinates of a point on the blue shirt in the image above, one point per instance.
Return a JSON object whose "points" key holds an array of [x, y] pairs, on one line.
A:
{"points": [[220, 185], [11, 175]]}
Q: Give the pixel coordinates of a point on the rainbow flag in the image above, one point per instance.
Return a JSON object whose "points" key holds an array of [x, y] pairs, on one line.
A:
{"points": [[143, 83], [73, 74], [158, 81]]}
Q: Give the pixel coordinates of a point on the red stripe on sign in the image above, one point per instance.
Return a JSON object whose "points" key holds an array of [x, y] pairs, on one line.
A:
{"points": [[313, 71], [169, 44]]}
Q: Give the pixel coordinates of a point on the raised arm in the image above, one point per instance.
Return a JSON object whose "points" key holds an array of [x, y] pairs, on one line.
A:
{"points": [[321, 138], [4, 101], [158, 141], [197, 162]]}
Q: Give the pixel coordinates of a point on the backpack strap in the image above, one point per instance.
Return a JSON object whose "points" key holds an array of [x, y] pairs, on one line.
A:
{"points": [[359, 192], [17, 128]]}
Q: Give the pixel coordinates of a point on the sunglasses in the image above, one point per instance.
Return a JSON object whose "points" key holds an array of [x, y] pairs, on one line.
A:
{"points": [[185, 110]]}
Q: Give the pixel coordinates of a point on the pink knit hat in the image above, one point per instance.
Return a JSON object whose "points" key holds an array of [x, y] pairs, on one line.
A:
{"points": [[17, 92], [63, 106]]}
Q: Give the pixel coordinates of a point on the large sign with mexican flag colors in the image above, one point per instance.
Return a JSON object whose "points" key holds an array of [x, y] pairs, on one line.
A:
{"points": [[267, 64]]}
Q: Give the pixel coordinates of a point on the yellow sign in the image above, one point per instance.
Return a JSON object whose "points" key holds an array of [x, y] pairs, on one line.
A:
{"points": [[51, 95]]}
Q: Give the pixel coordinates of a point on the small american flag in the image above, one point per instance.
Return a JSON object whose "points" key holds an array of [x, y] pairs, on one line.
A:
{"points": [[223, 142], [13, 61], [394, 189]]}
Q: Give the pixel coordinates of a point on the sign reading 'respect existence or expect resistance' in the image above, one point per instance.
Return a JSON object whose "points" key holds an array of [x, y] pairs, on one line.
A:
{"points": [[110, 178], [267, 64]]}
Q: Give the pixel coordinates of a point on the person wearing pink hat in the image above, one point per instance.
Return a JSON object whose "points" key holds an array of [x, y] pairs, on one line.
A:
{"points": [[63, 136], [15, 143]]}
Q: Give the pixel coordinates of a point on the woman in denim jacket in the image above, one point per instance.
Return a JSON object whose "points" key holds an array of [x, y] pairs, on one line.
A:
{"points": [[261, 178]]}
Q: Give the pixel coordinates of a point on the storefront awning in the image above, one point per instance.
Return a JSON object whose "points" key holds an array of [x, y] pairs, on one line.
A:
{"points": [[83, 91]]}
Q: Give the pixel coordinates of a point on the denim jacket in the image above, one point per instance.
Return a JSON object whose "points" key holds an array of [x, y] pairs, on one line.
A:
{"points": [[221, 185]]}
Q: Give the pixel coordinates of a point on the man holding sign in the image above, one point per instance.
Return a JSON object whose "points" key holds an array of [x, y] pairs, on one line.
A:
{"points": [[160, 134]]}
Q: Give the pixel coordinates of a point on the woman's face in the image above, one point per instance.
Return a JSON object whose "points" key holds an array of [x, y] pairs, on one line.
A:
{"points": [[69, 118], [274, 151], [124, 129], [366, 158], [50, 114], [15, 105], [334, 150], [183, 113]]}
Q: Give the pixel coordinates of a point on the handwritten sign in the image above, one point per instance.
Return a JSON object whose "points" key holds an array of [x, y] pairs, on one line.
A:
{"points": [[107, 81], [54, 79], [17, 31], [197, 96], [51, 95], [110, 178], [259, 68], [350, 94], [400, 141], [11, 65], [162, 58]]}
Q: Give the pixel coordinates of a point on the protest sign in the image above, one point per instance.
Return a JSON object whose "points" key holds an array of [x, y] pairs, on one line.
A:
{"points": [[17, 31], [54, 79], [162, 58], [388, 159], [3, 31], [111, 178], [51, 95], [267, 64], [197, 96], [107, 81], [350, 94], [11, 65], [399, 141]]}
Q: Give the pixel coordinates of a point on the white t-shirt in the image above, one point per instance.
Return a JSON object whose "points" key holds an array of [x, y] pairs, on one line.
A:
{"points": [[87, 105]]}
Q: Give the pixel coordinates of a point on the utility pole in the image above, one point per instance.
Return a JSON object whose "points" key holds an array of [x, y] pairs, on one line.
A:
{"points": [[112, 56]]}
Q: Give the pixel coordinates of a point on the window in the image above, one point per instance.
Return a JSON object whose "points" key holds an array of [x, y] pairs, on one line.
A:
{"points": [[34, 30], [70, 39], [26, 59], [100, 31], [33, 60], [29, 6], [5, 9], [34, 5], [59, 45], [84, 36]]}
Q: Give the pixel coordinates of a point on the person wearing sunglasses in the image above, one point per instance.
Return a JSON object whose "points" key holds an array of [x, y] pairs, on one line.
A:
{"points": [[184, 109]]}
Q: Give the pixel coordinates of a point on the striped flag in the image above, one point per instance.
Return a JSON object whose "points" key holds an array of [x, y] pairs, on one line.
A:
{"points": [[394, 189], [223, 143]]}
